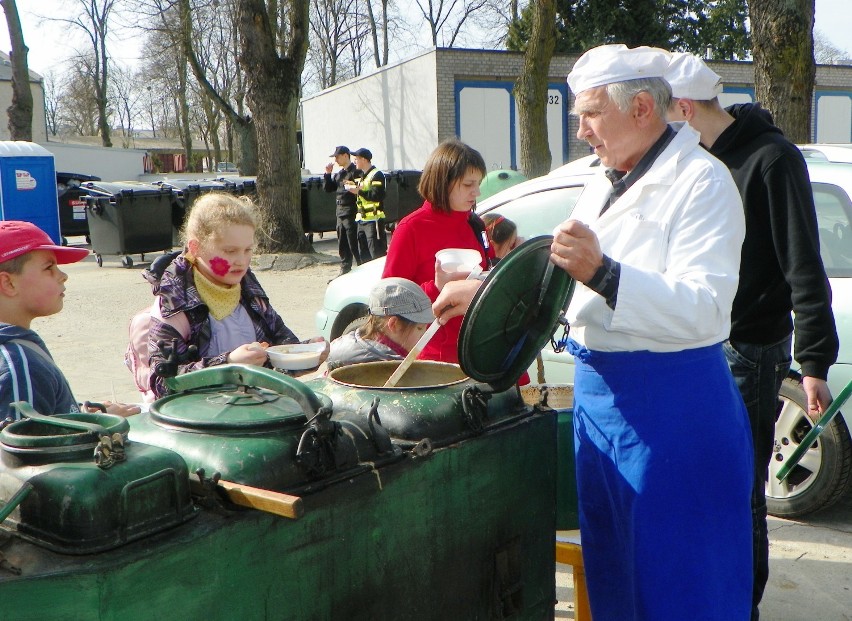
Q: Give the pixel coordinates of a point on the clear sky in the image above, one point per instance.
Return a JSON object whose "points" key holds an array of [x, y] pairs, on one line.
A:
{"points": [[51, 43]]}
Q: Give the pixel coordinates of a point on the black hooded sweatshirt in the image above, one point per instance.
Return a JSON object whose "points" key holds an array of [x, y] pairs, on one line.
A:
{"points": [[781, 268]]}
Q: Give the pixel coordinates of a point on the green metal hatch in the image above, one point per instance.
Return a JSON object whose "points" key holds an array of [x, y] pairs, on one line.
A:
{"points": [[513, 314], [236, 398]]}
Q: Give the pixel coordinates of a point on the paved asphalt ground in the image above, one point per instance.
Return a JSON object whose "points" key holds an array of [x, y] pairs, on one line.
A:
{"points": [[811, 558]]}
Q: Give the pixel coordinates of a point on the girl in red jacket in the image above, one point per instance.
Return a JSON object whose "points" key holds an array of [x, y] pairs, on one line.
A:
{"points": [[450, 185]]}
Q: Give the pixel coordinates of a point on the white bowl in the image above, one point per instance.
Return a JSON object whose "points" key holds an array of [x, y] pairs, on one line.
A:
{"points": [[458, 259], [296, 357]]}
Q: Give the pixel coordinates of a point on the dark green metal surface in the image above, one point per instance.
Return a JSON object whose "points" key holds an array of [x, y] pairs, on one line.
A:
{"points": [[513, 314], [465, 532], [60, 496], [437, 403]]}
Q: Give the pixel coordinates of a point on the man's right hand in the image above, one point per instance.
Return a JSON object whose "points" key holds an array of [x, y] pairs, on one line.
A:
{"points": [[329, 167]]}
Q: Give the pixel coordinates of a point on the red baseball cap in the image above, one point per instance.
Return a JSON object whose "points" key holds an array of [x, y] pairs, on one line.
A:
{"points": [[17, 238]]}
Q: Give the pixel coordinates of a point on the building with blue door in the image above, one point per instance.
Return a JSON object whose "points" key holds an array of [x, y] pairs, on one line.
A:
{"points": [[403, 110], [28, 186]]}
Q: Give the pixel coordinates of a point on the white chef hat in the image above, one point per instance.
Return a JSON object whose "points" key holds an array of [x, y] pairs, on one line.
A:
{"points": [[690, 78], [607, 64]]}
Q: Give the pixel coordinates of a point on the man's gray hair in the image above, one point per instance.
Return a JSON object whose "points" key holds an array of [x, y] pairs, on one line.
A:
{"points": [[622, 93]]}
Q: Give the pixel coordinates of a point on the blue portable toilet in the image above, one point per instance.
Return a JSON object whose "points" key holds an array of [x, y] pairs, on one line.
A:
{"points": [[28, 186]]}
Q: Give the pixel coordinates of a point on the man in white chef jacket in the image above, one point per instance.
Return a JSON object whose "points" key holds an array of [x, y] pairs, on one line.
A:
{"points": [[663, 447]]}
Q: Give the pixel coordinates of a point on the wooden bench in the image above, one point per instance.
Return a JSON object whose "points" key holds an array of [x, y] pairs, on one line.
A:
{"points": [[568, 552]]}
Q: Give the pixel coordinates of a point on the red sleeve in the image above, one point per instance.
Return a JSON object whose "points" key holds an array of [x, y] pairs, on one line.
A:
{"points": [[403, 260]]}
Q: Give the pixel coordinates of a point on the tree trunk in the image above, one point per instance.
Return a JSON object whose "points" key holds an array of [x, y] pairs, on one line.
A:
{"points": [[374, 32], [784, 68], [246, 136], [385, 44], [272, 91], [531, 90], [241, 125], [21, 111], [101, 82], [183, 109]]}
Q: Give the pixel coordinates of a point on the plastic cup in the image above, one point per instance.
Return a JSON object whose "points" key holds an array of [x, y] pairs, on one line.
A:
{"points": [[458, 259]]}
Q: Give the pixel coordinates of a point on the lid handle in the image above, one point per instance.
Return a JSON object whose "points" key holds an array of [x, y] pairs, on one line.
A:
{"points": [[253, 376], [27, 410]]}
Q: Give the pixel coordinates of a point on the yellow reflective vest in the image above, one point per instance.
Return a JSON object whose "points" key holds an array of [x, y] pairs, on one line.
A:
{"points": [[369, 210]]}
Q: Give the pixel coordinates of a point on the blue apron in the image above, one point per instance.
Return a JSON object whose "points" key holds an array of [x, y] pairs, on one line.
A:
{"points": [[664, 476]]}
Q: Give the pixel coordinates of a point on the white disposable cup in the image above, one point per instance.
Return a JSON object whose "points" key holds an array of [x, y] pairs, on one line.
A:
{"points": [[458, 259]]}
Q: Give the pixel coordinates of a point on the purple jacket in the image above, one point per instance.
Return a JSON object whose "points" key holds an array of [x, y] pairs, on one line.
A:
{"points": [[176, 287]]}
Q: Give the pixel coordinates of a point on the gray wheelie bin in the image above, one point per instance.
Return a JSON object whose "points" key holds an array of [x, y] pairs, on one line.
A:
{"points": [[184, 193], [72, 204], [241, 186], [319, 208], [402, 195], [128, 218]]}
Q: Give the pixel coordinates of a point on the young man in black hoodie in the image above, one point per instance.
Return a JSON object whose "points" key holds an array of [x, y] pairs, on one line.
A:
{"points": [[781, 269], [32, 285]]}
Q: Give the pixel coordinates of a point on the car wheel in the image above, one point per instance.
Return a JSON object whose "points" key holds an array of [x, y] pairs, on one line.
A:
{"points": [[822, 475], [347, 317]]}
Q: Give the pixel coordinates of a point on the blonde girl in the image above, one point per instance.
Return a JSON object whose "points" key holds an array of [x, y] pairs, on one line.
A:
{"points": [[228, 317]]}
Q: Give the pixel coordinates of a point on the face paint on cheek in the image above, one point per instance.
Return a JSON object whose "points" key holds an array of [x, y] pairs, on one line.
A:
{"points": [[219, 266]]}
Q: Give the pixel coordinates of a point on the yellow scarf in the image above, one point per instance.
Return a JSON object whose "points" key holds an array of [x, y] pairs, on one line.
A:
{"points": [[220, 299]]}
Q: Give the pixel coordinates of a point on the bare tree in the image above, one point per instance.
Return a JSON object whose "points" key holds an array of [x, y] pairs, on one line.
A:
{"points": [[51, 102], [333, 25], [164, 37], [827, 53], [21, 111], [77, 103], [236, 118], [124, 97], [491, 22], [784, 67], [273, 46], [380, 55], [446, 18], [531, 90], [93, 19]]}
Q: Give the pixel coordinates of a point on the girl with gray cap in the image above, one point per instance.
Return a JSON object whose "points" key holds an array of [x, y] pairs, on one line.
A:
{"points": [[399, 314]]}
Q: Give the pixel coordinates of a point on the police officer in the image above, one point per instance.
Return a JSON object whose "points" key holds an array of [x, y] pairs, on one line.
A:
{"points": [[369, 191], [347, 227]]}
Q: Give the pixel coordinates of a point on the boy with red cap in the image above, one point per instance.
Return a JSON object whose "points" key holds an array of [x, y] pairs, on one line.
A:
{"points": [[32, 285]]}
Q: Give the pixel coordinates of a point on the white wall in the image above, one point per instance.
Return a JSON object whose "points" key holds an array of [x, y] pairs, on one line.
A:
{"points": [[39, 127], [485, 124], [110, 164], [834, 118], [393, 112]]}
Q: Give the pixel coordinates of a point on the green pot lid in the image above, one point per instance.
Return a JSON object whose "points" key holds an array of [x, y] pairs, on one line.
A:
{"points": [[228, 408], [61, 431], [237, 397], [513, 314]]}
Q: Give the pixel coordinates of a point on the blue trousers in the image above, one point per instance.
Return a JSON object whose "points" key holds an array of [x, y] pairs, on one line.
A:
{"points": [[664, 476]]}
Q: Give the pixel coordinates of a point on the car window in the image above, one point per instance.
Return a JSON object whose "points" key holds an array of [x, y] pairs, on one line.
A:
{"points": [[538, 213], [834, 216]]}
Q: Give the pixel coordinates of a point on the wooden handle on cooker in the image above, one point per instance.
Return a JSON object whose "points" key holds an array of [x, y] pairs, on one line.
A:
{"points": [[276, 503]]}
